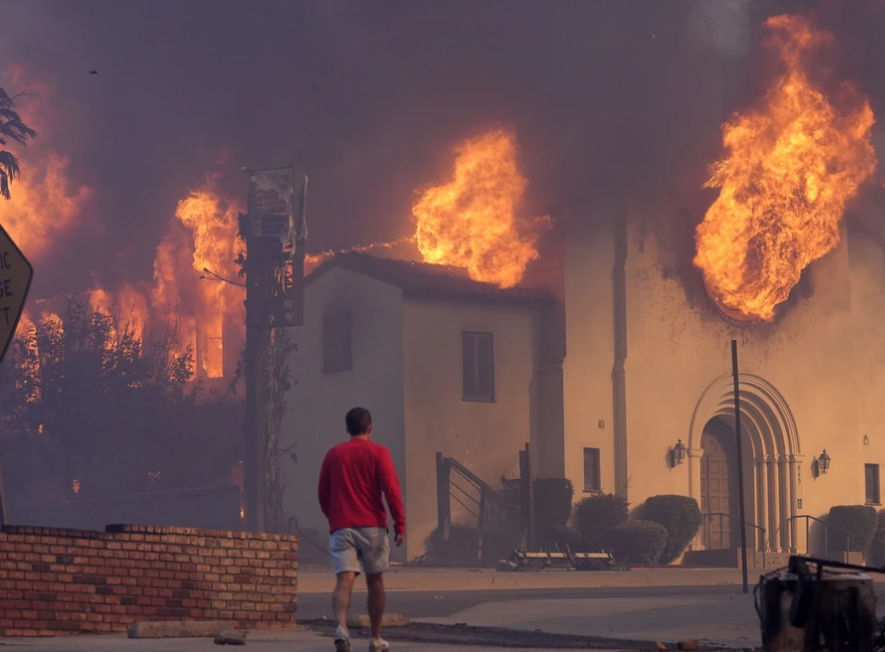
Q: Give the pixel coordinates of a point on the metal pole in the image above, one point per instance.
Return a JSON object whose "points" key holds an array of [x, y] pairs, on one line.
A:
{"points": [[528, 466], [255, 373], [740, 463]]}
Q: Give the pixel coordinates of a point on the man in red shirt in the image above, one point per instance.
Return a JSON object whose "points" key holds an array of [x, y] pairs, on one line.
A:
{"points": [[353, 478]]}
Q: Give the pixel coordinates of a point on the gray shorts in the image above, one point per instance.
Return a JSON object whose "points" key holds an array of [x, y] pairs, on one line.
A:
{"points": [[368, 546]]}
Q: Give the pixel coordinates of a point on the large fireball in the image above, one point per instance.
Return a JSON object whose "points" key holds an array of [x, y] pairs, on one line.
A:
{"points": [[475, 221], [792, 165]]}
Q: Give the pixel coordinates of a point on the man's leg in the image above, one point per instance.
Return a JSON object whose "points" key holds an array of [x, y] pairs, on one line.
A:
{"points": [[347, 567], [341, 597], [374, 547], [375, 584]]}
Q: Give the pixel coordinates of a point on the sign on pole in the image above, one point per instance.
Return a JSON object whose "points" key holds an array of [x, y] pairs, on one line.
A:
{"points": [[15, 280]]}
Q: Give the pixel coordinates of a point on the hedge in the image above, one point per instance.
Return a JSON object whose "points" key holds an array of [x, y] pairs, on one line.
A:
{"points": [[559, 538], [463, 542], [597, 515], [681, 517], [858, 522], [877, 549], [553, 503], [638, 542]]}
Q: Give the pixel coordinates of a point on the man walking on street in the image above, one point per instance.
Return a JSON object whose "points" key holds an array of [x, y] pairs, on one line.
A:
{"points": [[353, 477]]}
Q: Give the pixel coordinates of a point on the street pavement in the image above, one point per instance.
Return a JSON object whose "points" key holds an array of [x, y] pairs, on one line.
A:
{"points": [[661, 604], [655, 605], [285, 641], [669, 604]]}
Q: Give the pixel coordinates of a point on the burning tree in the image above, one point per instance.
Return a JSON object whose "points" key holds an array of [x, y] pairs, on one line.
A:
{"points": [[90, 408], [12, 127]]}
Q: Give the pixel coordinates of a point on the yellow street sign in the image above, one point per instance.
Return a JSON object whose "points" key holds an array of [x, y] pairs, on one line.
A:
{"points": [[15, 280]]}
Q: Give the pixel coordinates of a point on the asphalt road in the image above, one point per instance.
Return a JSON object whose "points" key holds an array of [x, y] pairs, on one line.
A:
{"points": [[442, 604]]}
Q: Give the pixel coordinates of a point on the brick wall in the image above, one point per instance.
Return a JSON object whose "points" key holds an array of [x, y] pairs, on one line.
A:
{"points": [[55, 581]]}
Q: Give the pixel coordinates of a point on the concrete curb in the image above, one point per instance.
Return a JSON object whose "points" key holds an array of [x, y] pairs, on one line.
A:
{"points": [[485, 580], [389, 620]]}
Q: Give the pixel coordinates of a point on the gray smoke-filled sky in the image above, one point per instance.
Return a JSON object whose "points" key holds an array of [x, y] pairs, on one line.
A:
{"points": [[369, 97]]}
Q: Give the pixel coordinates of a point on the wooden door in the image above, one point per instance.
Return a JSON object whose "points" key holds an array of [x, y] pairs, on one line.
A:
{"points": [[715, 494]]}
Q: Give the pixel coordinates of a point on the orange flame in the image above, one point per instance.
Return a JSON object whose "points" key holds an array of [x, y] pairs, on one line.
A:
{"points": [[127, 305], [45, 204], [204, 237], [792, 166], [474, 221]]}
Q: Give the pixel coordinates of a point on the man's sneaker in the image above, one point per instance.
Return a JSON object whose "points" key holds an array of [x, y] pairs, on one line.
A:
{"points": [[342, 640], [379, 645]]}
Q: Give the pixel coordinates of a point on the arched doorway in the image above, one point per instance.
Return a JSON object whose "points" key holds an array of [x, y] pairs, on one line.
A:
{"points": [[770, 466], [718, 492]]}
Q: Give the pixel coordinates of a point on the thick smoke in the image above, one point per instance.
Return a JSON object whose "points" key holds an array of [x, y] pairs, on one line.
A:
{"points": [[608, 101], [723, 25]]}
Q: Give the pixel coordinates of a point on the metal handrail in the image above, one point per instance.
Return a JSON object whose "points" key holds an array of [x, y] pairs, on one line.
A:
{"points": [[759, 528], [808, 518], [489, 502]]}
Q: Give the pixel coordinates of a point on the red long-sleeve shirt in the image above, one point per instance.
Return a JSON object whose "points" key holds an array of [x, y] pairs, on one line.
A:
{"points": [[353, 477]]}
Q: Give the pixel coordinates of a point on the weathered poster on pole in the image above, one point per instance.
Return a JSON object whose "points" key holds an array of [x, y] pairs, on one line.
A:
{"points": [[15, 280]]}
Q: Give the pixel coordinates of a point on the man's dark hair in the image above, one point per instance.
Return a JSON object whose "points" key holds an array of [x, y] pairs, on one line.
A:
{"points": [[358, 421]]}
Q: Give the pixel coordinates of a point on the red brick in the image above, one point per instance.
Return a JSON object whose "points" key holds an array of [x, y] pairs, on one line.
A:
{"points": [[142, 572]]}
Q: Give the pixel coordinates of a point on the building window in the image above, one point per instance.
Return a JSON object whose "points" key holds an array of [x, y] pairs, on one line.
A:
{"points": [[872, 483], [592, 479], [337, 343], [479, 367]]}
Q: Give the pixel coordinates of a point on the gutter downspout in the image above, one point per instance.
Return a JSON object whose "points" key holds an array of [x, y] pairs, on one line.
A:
{"points": [[619, 376]]}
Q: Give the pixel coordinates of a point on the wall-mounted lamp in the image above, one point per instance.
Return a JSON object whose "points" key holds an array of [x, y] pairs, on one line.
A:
{"points": [[824, 462], [677, 455], [821, 465], [866, 440]]}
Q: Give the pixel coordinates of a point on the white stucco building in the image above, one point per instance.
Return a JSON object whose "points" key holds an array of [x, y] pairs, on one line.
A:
{"points": [[442, 362], [649, 362], [640, 362]]}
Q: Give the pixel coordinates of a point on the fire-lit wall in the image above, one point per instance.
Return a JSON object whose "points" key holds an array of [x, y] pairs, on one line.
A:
{"points": [[319, 401], [867, 269], [587, 369], [485, 437], [824, 356]]}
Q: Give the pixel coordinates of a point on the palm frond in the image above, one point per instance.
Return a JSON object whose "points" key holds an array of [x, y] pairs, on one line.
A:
{"points": [[4, 185], [11, 123], [9, 170]]}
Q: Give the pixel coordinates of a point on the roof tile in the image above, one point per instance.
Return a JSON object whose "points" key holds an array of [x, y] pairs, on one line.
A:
{"points": [[427, 279]]}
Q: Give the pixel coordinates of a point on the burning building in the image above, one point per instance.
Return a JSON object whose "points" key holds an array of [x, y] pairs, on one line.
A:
{"points": [[623, 359], [790, 262], [632, 391]]}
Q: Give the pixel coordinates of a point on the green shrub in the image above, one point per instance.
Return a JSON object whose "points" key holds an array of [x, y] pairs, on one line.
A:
{"points": [[559, 538], [464, 542], [553, 503], [681, 517], [877, 549], [855, 522], [638, 542], [597, 515]]}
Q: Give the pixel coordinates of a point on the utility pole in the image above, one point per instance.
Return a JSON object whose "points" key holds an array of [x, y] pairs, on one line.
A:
{"points": [[275, 231], [740, 462]]}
